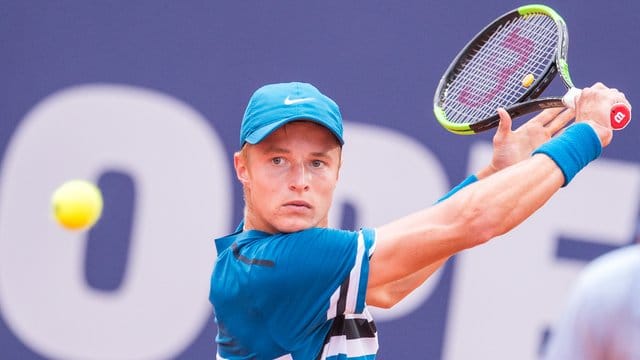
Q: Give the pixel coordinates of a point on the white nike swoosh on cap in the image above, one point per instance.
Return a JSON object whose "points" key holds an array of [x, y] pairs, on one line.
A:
{"points": [[289, 101]]}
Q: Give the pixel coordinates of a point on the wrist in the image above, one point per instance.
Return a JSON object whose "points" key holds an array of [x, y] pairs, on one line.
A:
{"points": [[572, 150], [604, 133], [486, 172]]}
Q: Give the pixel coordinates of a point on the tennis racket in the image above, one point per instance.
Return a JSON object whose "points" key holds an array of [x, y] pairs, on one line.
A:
{"points": [[509, 64]]}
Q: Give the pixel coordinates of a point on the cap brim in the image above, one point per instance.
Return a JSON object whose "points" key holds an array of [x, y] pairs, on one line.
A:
{"points": [[261, 133]]}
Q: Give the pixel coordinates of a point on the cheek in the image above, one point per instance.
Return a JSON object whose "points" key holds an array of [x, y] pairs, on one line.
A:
{"points": [[264, 189], [327, 184]]}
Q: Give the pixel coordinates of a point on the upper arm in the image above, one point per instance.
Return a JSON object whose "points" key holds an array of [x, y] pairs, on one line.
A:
{"points": [[387, 295], [416, 242]]}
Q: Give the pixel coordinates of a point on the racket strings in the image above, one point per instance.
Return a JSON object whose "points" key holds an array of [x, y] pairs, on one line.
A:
{"points": [[491, 75]]}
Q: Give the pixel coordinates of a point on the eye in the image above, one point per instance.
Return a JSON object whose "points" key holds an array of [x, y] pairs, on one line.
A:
{"points": [[277, 160], [317, 163]]}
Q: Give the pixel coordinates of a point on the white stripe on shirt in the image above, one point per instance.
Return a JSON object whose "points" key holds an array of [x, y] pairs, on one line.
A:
{"points": [[333, 304], [354, 278]]}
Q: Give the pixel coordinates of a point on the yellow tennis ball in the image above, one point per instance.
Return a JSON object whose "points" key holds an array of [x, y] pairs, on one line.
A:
{"points": [[527, 80], [77, 204]]}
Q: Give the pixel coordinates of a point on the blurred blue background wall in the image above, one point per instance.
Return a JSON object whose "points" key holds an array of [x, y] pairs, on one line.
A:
{"points": [[145, 98]]}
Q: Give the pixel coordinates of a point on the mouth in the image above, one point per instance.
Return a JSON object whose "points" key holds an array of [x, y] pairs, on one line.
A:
{"points": [[298, 204]]}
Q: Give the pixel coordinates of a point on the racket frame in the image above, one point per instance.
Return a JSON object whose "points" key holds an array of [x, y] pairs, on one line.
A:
{"points": [[528, 101]]}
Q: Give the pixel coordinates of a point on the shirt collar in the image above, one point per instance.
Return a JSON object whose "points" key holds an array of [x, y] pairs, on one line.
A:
{"points": [[239, 236]]}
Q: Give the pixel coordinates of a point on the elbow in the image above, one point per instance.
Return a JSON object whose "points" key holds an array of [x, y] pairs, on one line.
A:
{"points": [[383, 298], [387, 305], [384, 303]]}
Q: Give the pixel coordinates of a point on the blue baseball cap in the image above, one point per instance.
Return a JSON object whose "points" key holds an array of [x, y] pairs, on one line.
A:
{"points": [[274, 105]]}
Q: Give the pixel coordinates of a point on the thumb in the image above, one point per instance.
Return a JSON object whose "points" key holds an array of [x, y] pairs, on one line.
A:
{"points": [[504, 126]]}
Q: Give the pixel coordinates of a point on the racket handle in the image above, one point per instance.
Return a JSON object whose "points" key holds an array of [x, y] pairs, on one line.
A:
{"points": [[620, 113]]}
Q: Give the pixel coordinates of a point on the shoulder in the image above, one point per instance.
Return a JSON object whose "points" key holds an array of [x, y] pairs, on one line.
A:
{"points": [[607, 282], [612, 266], [324, 244], [330, 235]]}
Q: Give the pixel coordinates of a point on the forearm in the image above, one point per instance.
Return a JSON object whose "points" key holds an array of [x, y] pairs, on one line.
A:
{"points": [[466, 182], [470, 217], [486, 172], [509, 197]]}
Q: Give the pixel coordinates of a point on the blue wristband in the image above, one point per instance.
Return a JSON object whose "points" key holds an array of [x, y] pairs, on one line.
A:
{"points": [[572, 150], [469, 180]]}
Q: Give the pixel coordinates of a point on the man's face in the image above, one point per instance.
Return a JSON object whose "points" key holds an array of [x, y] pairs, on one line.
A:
{"points": [[289, 178]]}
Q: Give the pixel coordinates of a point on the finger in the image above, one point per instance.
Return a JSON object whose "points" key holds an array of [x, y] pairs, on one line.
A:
{"points": [[546, 116], [560, 121], [622, 99], [504, 126]]}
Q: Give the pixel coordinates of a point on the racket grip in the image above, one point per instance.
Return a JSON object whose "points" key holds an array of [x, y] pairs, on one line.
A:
{"points": [[620, 113], [569, 99]]}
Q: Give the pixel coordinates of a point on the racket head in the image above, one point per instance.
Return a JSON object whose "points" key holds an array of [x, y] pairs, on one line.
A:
{"points": [[490, 71]]}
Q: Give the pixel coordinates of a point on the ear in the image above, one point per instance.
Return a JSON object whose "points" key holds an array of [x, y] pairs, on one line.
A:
{"points": [[340, 160], [240, 164]]}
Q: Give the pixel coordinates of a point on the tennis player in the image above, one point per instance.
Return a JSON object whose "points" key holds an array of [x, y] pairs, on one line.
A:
{"points": [[601, 320], [286, 286]]}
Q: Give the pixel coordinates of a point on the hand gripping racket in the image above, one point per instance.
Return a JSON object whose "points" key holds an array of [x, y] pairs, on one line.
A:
{"points": [[509, 64]]}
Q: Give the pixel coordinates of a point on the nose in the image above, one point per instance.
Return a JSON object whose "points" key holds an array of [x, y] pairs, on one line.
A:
{"points": [[299, 178]]}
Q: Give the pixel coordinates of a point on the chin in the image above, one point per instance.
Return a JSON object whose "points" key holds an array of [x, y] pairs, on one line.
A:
{"points": [[292, 228], [296, 226]]}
